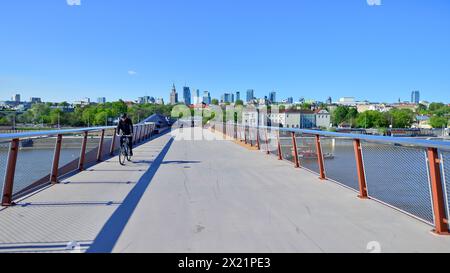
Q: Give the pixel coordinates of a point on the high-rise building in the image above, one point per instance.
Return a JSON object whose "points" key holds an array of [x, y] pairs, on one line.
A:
{"points": [[101, 100], [415, 97], [238, 96], [16, 98], [290, 100], [329, 100], [197, 99], [273, 97], [187, 95], [173, 95], [35, 100], [228, 98], [250, 95], [206, 97], [160, 101], [146, 99]]}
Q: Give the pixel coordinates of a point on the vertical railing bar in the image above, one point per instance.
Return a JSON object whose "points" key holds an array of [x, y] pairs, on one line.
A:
{"points": [[113, 142], [83, 151], [100, 147], [360, 169], [267, 142], [56, 156], [441, 222], [320, 158], [8, 186], [280, 156], [295, 151]]}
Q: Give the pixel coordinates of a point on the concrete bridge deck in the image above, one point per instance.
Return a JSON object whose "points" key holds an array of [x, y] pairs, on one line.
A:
{"points": [[206, 196]]}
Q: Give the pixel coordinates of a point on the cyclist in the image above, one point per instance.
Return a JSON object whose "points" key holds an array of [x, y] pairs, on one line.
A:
{"points": [[126, 127]]}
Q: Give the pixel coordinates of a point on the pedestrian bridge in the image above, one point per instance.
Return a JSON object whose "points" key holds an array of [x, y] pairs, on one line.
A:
{"points": [[206, 194]]}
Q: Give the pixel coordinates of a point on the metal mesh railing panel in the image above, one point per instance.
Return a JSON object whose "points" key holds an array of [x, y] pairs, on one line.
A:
{"points": [[34, 162], [339, 161], [287, 146], [307, 152], [399, 176]]}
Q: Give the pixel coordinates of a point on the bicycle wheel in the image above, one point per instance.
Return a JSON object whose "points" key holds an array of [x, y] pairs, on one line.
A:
{"points": [[122, 156]]}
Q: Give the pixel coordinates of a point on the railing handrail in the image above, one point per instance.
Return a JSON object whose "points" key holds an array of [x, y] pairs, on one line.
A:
{"points": [[52, 132], [424, 143]]}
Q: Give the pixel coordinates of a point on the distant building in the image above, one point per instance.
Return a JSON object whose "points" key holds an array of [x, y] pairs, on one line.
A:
{"points": [[101, 100], [197, 98], [206, 97], [35, 100], [187, 95], [303, 119], [16, 98], [250, 95], [323, 118], [290, 100], [146, 99], [238, 96], [329, 100], [273, 97], [83, 102], [415, 97], [173, 96], [160, 101], [227, 98]]}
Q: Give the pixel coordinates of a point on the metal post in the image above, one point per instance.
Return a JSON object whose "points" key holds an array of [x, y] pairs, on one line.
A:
{"points": [[113, 142], [258, 145], [441, 223], [280, 156], [83, 152], [100, 147], [295, 151], [360, 169], [267, 142], [320, 158], [10, 172], [245, 134], [56, 156]]}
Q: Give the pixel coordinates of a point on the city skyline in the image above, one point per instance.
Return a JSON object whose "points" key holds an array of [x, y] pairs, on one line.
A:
{"points": [[371, 52]]}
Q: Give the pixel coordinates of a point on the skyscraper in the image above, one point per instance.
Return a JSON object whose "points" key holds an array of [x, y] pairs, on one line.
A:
{"points": [[238, 96], [197, 97], [101, 100], [250, 95], [415, 97], [173, 95], [206, 97], [227, 98], [16, 98], [273, 97], [187, 95]]}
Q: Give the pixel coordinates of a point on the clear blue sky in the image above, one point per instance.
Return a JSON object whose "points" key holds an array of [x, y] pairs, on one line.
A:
{"points": [[300, 48]]}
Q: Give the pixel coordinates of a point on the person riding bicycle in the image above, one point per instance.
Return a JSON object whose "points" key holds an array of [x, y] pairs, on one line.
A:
{"points": [[126, 127]]}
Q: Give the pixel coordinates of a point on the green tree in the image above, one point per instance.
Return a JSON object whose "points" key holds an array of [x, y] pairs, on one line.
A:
{"points": [[239, 102], [339, 115], [401, 118], [438, 122], [215, 102]]}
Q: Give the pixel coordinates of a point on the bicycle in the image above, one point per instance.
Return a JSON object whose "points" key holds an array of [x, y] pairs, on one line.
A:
{"points": [[124, 149]]}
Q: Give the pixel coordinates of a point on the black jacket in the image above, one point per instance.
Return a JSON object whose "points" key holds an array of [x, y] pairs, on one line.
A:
{"points": [[125, 126]]}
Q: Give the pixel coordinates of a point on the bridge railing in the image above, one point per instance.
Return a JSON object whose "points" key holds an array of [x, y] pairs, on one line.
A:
{"points": [[31, 160], [408, 174]]}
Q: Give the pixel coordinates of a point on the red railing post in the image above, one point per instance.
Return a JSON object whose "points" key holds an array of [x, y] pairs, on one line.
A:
{"points": [[320, 158], [8, 186], [441, 223], [360, 169], [280, 156], [100, 147], [83, 152], [245, 134], [258, 145], [267, 142], [56, 156], [295, 151], [113, 142]]}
